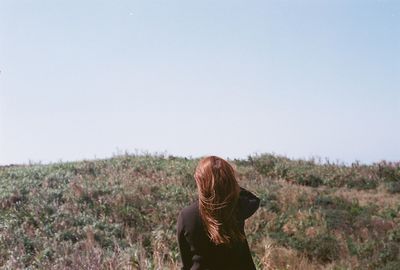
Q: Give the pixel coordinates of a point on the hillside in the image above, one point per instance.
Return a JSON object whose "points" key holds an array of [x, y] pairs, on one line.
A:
{"points": [[120, 213]]}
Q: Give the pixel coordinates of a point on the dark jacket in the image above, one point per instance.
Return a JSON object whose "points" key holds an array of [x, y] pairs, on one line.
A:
{"points": [[196, 249]]}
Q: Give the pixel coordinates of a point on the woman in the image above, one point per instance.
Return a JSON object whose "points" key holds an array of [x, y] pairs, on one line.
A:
{"points": [[210, 231]]}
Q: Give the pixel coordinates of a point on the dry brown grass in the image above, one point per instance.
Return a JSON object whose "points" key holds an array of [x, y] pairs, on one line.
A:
{"points": [[276, 257], [379, 197]]}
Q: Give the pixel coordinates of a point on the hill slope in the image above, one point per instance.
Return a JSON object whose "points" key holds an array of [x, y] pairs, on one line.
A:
{"points": [[120, 213]]}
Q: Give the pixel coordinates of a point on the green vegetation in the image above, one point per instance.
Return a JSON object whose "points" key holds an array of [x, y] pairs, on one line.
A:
{"points": [[120, 213]]}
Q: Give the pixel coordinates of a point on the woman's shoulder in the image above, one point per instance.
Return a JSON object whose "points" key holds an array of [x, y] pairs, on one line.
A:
{"points": [[189, 217], [190, 210]]}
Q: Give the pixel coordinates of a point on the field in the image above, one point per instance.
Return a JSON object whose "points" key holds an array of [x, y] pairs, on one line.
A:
{"points": [[120, 213]]}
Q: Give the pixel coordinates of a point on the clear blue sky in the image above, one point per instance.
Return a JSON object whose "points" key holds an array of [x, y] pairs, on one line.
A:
{"points": [[86, 79]]}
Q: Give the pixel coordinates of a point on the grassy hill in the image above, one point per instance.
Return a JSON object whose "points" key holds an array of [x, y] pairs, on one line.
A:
{"points": [[120, 213]]}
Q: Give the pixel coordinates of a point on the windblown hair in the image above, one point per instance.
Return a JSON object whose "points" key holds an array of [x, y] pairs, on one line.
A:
{"points": [[218, 198]]}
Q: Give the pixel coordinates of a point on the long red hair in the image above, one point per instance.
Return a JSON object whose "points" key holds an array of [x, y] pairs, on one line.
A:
{"points": [[218, 197]]}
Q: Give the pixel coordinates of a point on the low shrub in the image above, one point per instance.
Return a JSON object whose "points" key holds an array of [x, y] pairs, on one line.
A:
{"points": [[393, 187], [323, 247], [309, 180]]}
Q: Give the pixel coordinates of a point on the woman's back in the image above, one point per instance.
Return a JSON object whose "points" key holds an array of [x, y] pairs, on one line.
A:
{"points": [[199, 252]]}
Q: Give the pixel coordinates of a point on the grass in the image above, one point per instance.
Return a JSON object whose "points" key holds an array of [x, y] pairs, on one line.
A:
{"points": [[120, 213]]}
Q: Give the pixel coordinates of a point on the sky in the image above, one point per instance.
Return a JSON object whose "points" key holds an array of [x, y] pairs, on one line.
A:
{"points": [[303, 79]]}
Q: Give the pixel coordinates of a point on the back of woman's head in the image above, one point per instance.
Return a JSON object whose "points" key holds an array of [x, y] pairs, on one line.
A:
{"points": [[218, 197]]}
